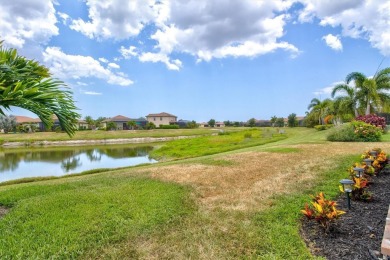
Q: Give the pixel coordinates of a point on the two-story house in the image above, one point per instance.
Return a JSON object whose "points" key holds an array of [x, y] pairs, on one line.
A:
{"points": [[162, 119]]}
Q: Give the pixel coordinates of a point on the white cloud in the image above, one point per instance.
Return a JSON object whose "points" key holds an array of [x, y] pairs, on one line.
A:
{"points": [[333, 42], [27, 21], [219, 29], [128, 53], [104, 60], [160, 57], [65, 18], [367, 19], [66, 66], [215, 29], [92, 93], [81, 83], [113, 65], [327, 90], [115, 18]]}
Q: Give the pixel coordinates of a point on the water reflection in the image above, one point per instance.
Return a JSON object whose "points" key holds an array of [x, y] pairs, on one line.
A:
{"points": [[19, 163]]}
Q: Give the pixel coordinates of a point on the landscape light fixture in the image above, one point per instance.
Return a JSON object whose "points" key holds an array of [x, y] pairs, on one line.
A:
{"points": [[374, 154], [358, 172], [368, 161], [347, 188]]}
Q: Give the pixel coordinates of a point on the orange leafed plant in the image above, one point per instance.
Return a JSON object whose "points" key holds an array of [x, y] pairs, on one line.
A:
{"points": [[322, 210]]}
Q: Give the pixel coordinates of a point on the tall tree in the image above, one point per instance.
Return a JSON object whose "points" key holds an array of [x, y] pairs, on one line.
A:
{"points": [[320, 108], [27, 84], [348, 103], [372, 92], [292, 120]]}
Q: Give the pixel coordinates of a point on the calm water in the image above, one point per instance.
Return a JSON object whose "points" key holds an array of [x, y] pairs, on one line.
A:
{"points": [[16, 163]]}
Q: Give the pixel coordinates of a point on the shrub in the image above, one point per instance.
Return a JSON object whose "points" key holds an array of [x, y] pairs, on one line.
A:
{"points": [[343, 133], [367, 132], [169, 127], [356, 131], [323, 127], [373, 120], [322, 210]]}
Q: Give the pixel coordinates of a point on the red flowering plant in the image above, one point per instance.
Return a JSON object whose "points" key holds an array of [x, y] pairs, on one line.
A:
{"points": [[374, 120]]}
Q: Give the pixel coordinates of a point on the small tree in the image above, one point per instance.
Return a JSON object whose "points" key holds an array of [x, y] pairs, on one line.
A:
{"points": [[150, 125], [211, 122], [111, 126], [7, 123], [252, 122], [228, 123], [90, 122], [132, 124], [292, 120], [98, 122], [236, 124], [279, 122], [273, 120], [192, 124]]}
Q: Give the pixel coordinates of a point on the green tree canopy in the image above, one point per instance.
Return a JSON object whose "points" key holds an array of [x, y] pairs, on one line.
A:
{"points": [[211, 122], [26, 84], [252, 122], [292, 120]]}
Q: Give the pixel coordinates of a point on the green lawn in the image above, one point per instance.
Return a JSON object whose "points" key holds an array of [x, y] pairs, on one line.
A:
{"points": [[125, 213], [207, 145], [67, 219]]}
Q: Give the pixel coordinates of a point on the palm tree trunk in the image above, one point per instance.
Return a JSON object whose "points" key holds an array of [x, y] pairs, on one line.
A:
{"points": [[356, 113], [368, 108]]}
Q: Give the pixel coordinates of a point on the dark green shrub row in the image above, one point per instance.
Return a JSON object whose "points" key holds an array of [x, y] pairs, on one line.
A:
{"points": [[323, 127], [169, 127]]}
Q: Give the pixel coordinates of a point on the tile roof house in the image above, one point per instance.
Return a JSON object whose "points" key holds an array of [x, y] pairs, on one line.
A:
{"points": [[122, 122], [119, 120], [162, 119]]}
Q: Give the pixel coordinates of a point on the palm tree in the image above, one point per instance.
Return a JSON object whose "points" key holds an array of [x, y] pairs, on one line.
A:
{"points": [[372, 92], [320, 108], [26, 84], [90, 122], [346, 104]]}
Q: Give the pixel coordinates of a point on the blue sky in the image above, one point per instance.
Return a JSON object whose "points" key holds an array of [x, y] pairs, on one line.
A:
{"points": [[199, 59]]}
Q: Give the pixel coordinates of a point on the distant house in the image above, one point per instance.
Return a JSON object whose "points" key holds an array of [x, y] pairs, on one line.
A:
{"points": [[119, 120], [204, 124], [25, 120], [122, 122], [140, 122], [82, 125], [162, 119], [219, 124]]}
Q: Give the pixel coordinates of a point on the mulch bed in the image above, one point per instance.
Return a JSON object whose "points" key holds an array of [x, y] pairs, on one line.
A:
{"points": [[358, 233]]}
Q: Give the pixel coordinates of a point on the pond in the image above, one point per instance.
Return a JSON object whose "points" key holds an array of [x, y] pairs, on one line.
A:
{"points": [[16, 163]]}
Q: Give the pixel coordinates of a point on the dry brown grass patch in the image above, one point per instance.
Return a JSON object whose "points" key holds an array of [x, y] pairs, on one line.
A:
{"points": [[256, 176]]}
